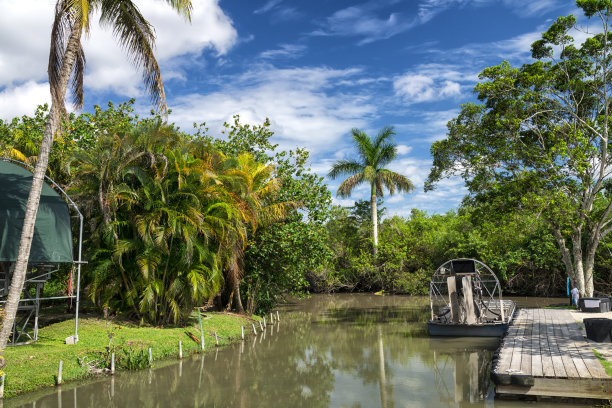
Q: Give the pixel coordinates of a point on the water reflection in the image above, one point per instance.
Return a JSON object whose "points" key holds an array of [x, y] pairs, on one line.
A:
{"points": [[335, 351]]}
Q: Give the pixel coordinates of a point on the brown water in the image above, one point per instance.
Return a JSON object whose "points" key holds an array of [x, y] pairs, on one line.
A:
{"points": [[327, 351]]}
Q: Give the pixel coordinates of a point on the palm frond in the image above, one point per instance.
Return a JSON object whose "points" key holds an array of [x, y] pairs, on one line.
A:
{"points": [[346, 187], [345, 168], [384, 136], [137, 36], [77, 78], [364, 145], [393, 181], [387, 152]]}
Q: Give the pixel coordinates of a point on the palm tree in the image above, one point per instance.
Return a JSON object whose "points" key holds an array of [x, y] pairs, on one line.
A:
{"points": [[255, 190], [66, 67], [374, 154]]}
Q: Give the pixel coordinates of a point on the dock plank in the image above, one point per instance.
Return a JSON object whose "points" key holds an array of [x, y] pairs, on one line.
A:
{"points": [[545, 349], [544, 352], [536, 357], [527, 350]]}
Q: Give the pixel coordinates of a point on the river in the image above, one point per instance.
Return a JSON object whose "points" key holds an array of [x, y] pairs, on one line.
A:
{"points": [[345, 350]]}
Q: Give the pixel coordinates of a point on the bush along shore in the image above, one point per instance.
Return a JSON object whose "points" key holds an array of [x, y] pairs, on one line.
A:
{"points": [[34, 366]]}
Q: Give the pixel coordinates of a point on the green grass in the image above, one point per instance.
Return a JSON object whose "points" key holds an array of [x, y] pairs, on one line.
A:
{"points": [[607, 365], [34, 366], [561, 307]]}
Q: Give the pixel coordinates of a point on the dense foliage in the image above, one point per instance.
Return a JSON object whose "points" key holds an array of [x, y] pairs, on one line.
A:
{"points": [[173, 220], [538, 140], [520, 250]]}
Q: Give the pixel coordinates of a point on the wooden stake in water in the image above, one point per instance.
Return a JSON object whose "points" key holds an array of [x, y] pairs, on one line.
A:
{"points": [[150, 356], [216, 339], [254, 331], [264, 321], [201, 330], [112, 363], [260, 325], [180, 350], [59, 373], [277, 318], [242, 332]]}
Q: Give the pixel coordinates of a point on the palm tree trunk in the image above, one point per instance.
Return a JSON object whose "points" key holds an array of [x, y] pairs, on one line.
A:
{"points": [[27, 232], [374, 220]]}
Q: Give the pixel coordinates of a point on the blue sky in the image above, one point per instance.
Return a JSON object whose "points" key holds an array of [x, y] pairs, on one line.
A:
{"points": [[315, 68]]}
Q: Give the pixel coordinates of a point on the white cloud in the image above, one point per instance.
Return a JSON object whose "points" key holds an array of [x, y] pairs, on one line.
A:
{"points": [[427, 126], [403, 149], [23, 99], [25, 27], [270, 4], [285, 51], [176, 41], [378, 20], [415, 88], [302, 103], [431, 82], [362, 21]]}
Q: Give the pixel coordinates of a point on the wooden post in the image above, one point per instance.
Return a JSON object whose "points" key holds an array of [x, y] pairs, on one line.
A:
{"points": [[201, 330], [453, 298], [260, 325], [150, 357], [216, 339], [112, 363], [254, 331], [264, 321], [59, 373], [242, 332], [2, 386], [468, 300], [277, 318], [180, 350]]}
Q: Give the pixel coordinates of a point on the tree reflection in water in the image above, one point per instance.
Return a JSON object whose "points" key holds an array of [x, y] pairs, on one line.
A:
{"points": [[340, 351]]}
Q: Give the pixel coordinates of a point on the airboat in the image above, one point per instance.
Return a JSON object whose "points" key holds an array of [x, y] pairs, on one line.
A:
{"points": [[466, 301]]}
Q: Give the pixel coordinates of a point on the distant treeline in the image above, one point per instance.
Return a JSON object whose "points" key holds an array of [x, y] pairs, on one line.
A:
{"points": [[520, 250]]}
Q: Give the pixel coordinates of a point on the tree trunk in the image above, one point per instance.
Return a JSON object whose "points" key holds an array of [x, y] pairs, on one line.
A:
{"points": [[237, 299], [578, 261], [374, 220], [589, 262], [27, 232]]}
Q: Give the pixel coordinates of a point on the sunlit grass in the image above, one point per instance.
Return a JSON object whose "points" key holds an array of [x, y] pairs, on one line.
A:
{"points": [[33, 366], [607, 365]]}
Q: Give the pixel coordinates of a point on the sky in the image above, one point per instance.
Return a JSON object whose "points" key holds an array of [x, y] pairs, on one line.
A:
{"points": [[316, 69]]}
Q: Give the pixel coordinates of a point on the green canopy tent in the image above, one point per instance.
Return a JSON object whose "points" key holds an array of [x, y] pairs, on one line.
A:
{"points": [[52, 242], [51, 245]]}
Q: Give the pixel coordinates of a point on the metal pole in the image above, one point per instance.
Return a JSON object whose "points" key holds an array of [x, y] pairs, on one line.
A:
{"points": [[76, 314]]}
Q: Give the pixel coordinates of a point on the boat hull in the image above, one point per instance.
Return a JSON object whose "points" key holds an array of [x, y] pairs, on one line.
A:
{"points": [[467, 330]]}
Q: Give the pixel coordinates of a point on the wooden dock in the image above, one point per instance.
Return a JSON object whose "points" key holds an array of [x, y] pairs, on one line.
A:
{"points": [[544, 353]]}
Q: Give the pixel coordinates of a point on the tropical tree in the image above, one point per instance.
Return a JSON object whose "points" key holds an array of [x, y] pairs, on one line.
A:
{"points": [[374, 154], [66, 67], [255, 189], [539, 140]]}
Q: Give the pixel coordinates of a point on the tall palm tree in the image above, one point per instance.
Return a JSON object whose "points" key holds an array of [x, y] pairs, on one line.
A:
{"points": [[66, 67], [374, 154]]}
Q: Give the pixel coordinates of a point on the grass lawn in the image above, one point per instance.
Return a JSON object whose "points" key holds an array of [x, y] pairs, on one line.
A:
{"points": [[33, 366]]}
